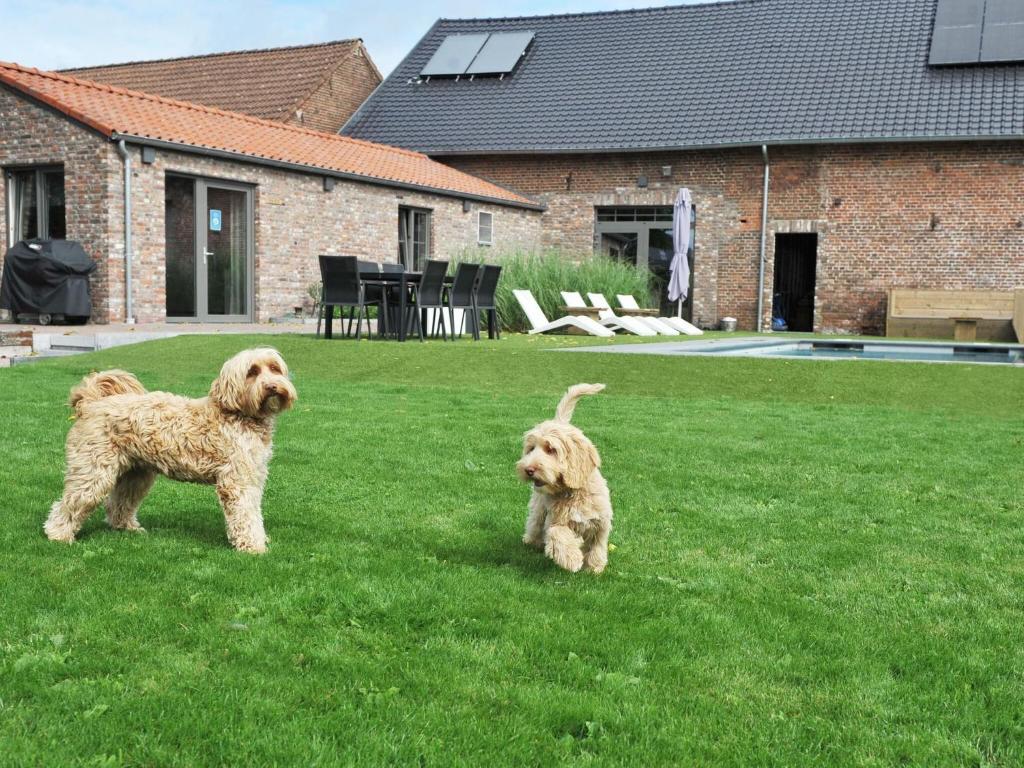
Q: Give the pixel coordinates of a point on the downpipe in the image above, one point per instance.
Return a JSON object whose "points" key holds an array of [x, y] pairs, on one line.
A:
{"points": [[122, 150], [764, 234]]}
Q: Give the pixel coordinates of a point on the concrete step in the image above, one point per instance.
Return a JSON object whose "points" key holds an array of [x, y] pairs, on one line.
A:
{"points": [[89, 342], [44, 355], [78, 348], [10, 354], [77, 342]]}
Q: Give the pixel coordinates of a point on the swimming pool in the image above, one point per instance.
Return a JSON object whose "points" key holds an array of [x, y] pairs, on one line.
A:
{"points": [[831, 349]]}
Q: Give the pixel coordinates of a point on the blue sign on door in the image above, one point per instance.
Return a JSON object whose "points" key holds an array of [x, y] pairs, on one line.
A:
{"points": [[214, 220]]}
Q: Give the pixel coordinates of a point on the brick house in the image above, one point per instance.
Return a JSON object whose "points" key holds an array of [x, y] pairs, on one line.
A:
{"points": [[867, 145], [226, 213], [314, 86]]}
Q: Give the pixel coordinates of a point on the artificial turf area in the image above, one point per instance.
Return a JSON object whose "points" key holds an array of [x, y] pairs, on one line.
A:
{"points": [[817, 563]]}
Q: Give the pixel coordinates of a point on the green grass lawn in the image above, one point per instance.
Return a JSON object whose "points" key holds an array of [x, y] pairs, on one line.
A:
{"points": [[817, 563]]}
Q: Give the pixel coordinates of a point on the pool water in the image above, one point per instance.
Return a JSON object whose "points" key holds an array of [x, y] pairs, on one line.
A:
{"points": [[828, 349], [941, 353]]}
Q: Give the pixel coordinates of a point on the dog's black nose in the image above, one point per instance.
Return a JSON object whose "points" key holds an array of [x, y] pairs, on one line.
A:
{"points": [[530, 471]]}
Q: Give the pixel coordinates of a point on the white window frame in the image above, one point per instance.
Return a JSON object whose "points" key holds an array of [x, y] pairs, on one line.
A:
{"points": [[479, 228]]}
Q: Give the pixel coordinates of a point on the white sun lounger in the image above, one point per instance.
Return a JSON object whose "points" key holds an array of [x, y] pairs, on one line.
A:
{"points": [[608, 318], [540, 323], [626, 301], [599, 301]]}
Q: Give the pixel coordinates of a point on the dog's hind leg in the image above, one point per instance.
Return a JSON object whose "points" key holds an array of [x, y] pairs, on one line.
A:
{"points": [[563, 546], [124, 501], [85, 487]]}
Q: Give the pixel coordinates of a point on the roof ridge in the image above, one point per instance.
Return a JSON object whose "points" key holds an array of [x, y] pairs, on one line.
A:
{"points": [[238, 52], [59, 76], [615, 12]]}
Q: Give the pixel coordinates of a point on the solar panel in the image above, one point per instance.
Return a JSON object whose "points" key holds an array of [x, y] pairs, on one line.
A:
{"points": [[956, 38], [1003, 37], [454, 55], [500, 53]]}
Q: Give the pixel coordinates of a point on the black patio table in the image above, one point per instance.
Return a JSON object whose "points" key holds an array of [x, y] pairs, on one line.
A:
{"points": [[403, 280]]}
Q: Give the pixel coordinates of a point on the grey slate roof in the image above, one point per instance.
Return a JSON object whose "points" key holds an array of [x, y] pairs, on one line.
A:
{"points": [[743, 72]]}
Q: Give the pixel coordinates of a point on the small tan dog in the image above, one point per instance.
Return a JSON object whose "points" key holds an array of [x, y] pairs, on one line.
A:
{"points": [[124, 436], [570, 509]]}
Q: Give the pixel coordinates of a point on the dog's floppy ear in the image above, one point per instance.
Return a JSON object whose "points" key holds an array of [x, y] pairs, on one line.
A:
{"points": [[226, 391], [581, 459], [224, 396]]}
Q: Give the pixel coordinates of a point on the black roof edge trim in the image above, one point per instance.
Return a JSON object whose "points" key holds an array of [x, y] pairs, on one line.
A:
{"points": [[734, 145], [313, 170]]}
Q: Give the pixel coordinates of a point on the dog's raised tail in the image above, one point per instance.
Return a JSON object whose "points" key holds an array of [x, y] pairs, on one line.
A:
{"points": [[568, 402], [103, 384]]}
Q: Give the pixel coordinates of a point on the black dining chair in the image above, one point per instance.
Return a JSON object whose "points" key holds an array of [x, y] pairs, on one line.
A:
{"points": [[342, 288], [430, 295], [483, 298], [392, 297], [377, 291], [460, 296]]}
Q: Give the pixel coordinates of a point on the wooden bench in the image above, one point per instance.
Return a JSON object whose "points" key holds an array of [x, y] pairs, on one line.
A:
{"points": [[963, 315]]}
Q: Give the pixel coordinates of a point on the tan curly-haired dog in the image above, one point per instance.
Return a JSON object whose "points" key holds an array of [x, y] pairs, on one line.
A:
{"points": [[570, 509], [124, 436]]}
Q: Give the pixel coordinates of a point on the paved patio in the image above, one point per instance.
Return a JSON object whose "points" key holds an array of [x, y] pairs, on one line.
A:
{"points": [[22, 342]]}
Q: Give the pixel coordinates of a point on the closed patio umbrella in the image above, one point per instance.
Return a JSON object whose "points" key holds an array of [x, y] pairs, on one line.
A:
{"points": [[679, 270]]}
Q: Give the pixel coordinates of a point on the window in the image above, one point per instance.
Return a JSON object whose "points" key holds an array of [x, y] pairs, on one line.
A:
{"points": [[636, 213], [485, 228], [36, 204], [413, 237]]}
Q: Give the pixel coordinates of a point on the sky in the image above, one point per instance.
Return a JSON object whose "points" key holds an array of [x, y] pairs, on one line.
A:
{"points": [[55, 34]]}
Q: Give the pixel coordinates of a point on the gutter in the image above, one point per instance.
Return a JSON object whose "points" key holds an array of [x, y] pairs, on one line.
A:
{"points": [[122, 150], [764, 234], [312, 170]]}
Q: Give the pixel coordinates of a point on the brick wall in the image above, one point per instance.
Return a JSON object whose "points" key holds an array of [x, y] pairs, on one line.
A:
{"points": [[907, 215], [296, 220], [340, 95], [33, 135]]}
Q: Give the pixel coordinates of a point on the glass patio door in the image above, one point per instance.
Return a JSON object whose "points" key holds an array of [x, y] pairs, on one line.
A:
{"points": [[642, 235], [209, 250]]}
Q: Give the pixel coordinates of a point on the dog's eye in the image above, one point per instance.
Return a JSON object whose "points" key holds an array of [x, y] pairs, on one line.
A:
{"points": [[254, 371], [550, 450], [274, 368]]}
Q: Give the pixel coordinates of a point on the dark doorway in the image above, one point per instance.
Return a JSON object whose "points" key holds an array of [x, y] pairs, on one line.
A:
{"points": [[796, 260]]}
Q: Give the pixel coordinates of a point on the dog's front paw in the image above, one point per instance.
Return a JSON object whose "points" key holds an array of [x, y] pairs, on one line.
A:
{"points": [[569, 559], [66, 538], [132, 526], [58, 529], [530, 541], [596, 561], [252, 548]]}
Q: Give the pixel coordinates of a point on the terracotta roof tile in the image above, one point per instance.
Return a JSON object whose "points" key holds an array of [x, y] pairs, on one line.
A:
{"points": [[119, 113], [269, 83]]}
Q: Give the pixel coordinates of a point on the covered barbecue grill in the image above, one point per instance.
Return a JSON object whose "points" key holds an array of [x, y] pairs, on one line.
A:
{"points": [[47, 280]]}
